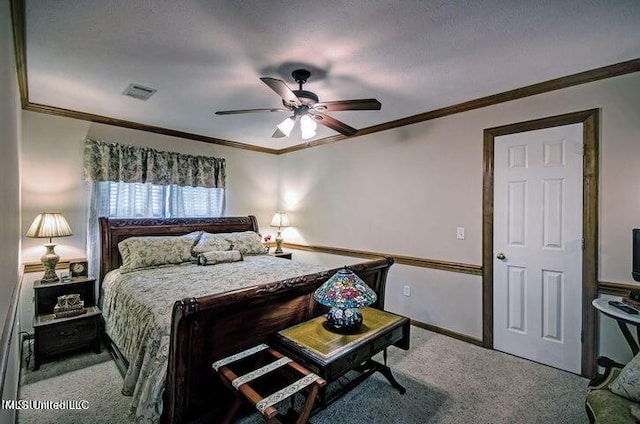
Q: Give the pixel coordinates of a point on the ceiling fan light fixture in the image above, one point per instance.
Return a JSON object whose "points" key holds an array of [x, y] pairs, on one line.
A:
{"points": [[305, 106], [307, 127], [286, 126]]}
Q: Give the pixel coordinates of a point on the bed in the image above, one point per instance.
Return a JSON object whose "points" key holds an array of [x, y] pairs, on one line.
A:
{"points": [[203, 327]]}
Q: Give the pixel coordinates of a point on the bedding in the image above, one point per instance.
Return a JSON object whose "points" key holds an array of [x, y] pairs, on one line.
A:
{"points": [[209, 242], [137, 309], [145, 252], [219, 257], [247, 242]]}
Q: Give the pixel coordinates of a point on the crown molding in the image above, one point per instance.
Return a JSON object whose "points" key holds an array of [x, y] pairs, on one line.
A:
{"points": [[19, 33], [20, 49], [52, 110], [585, 77]]}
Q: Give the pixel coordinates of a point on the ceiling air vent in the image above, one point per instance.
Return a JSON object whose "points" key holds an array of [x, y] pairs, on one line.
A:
{"points": [[139, 92]]}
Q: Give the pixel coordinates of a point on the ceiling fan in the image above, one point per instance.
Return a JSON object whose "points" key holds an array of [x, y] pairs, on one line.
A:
{"points": [[306, 108]]}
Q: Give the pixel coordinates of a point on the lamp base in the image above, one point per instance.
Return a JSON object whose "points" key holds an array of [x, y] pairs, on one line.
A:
{"points": [[344, 320], [279, 243], [49, 261]]}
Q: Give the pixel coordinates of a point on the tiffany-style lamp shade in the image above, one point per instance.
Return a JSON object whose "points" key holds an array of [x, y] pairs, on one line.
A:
{"points": [[344, 292]]}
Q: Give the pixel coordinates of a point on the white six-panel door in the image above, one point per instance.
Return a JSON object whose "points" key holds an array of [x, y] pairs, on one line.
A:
{"points": [[537, 281]]}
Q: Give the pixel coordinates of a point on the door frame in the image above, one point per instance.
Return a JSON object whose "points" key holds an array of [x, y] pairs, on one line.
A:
{"points": [[590, 164]]}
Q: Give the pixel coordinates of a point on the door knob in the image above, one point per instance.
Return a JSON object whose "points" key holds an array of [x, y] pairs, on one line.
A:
{"points": [[501, 256]]}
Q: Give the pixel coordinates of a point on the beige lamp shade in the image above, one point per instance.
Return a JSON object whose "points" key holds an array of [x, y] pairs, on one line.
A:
{"points": [[280, 219], [49, 224]]}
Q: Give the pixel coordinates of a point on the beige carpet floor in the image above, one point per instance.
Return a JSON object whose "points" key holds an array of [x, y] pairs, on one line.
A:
{"points": [[447, 381]]}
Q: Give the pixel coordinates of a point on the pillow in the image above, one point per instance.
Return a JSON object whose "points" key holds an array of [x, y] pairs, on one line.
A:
{"points": [[145, 252], [218, 257], [211, 242], [247, 242], [627, 384]]}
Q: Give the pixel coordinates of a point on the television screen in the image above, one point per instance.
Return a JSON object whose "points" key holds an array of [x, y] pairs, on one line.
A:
{"points": [[636, 254]]}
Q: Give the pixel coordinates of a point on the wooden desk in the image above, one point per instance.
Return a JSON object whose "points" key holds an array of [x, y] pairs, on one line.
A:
{"points": [[622, 318], [331, 355]]}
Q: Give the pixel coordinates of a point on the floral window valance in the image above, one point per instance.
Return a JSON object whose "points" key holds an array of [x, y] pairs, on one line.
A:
{"points": [[116, 162]]}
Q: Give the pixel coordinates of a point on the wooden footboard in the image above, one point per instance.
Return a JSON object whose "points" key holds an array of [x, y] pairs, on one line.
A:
{"points": [[211, 327]]}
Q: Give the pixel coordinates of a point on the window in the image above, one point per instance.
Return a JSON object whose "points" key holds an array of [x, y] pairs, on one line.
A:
{"points": [[153, 184], [146, 200], [138, 200]]}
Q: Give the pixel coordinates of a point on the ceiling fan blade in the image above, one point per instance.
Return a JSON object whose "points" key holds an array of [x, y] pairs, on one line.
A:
{"points": [[282, 90], [357, 104], [333, 123], [234, 112]]}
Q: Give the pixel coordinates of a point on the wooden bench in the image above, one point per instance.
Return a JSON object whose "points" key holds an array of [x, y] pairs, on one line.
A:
{"points": [[264, 377]]}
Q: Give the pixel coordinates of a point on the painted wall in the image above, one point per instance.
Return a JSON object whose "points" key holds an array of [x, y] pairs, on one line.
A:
{"points": [[9, 195], [404, 191], [9, 170], [52, 150]]}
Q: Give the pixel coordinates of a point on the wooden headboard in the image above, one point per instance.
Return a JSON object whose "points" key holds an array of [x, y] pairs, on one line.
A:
{"points": [[114, 230]]}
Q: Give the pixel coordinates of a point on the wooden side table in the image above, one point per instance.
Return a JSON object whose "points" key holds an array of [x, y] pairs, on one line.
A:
{"points": [[52, 335], [331, 355]]}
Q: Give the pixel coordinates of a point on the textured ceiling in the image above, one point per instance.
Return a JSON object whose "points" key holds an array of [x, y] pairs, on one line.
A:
{"points": [[413, 56]]}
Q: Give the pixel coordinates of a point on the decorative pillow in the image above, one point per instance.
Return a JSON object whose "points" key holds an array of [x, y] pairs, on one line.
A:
{"points": [[627, 384], [145, 252], [211, 242], [218, 257], [247, 242]]}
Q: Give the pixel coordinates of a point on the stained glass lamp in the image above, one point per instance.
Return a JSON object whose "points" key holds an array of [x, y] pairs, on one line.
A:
{"points": [[344, 292], [48, 225]]}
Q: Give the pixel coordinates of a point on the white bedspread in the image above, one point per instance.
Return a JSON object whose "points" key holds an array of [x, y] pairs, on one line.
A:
{"points": [[137, 310]]}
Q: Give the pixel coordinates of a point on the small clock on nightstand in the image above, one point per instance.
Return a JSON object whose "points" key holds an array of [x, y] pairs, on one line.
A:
{"points": [[78, 269]]}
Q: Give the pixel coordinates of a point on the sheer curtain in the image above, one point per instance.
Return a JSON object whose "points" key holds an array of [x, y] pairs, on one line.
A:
{"points": [[134, 182], [194, 201]]}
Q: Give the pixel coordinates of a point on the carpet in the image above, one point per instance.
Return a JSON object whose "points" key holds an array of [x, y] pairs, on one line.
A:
{"points": [[71, 379], [448, 381], [61, 365]]}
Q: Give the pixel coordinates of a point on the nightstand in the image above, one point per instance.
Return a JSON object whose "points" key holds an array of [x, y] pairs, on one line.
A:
{"points": [[283, 255], [54, 336]]}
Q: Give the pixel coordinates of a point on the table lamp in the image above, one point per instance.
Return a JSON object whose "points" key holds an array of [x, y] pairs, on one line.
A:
{"points": [[48, 225], [344, 292], [280, 219]]}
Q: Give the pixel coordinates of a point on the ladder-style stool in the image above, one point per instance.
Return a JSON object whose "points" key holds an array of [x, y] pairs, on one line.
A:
{"points": [[263, 376]]}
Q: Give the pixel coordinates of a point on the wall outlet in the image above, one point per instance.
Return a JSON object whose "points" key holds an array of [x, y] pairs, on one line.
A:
{"points": [[460, 233], [407, 291]]}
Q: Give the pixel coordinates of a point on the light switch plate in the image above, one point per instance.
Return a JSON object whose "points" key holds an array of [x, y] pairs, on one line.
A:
{"points": [[460, 233]]}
